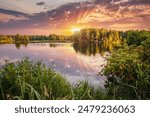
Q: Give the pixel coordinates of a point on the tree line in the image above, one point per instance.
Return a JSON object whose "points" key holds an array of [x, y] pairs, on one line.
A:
{"points": [[90, 34], [27, 38], [111, 36], [102, 35]]}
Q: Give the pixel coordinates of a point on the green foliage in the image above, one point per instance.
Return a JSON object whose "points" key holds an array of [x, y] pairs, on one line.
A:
{"points": [[24, 39], [51, 37], [145, 51], [21, 39], [128, 70], [84, 91], [33, 80], [136, 37], [103, 35]]}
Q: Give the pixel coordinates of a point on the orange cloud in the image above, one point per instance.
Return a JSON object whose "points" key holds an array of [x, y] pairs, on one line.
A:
{"points": [[112, 14]]}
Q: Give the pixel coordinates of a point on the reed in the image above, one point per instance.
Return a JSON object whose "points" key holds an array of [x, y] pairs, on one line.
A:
{"points": [[29, 80]]}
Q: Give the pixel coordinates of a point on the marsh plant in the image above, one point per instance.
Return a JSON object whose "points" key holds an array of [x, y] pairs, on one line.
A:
{"points": [[28, 80]]}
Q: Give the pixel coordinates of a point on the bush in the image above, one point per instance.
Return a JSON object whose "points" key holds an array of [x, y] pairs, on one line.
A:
{"points": [[128, 73]]}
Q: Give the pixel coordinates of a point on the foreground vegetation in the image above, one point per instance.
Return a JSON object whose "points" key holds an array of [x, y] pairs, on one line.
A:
{"points": [[33, 80], [128, 68]]}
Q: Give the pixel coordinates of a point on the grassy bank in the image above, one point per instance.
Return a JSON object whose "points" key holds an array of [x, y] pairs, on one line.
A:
{"points": [[33, 80]]}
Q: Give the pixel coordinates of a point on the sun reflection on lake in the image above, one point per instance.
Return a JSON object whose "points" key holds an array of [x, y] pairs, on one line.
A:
{"points": [[75, 61]]}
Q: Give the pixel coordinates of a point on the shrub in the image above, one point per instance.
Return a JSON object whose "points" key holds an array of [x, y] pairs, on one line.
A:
{"points": [[128, 76]]}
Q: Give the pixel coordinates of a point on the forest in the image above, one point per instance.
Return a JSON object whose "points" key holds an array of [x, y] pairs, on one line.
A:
{"points": [[88, 35], [31, 38]]}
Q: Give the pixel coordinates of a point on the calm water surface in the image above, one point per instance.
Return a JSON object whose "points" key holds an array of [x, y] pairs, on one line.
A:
{"points": [[74, 61]]}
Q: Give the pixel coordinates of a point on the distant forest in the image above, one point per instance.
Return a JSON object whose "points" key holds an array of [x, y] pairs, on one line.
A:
{"points": [[27, 38], [91, 34]]}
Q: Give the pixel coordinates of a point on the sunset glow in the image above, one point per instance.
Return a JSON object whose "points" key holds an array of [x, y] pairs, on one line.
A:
{"points": [[57, 17], [75, 29]]}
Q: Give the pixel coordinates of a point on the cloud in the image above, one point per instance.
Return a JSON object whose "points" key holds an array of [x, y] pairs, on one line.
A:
{"points": [[112, 14], [6, 18], [40, 3], [12, 12]]}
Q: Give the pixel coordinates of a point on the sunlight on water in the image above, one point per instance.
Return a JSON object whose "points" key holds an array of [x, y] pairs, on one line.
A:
{"points": [[64, 58]]}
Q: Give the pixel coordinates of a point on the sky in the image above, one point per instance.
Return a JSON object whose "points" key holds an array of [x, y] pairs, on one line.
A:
{"points": [[44, 17]]}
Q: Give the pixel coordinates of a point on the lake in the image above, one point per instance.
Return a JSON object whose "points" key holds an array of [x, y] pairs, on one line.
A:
{"points": [[76, 62]]}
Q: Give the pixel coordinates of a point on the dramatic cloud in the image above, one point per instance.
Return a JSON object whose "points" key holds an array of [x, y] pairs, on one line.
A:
{"points": [[110, 14], [40, 3]]}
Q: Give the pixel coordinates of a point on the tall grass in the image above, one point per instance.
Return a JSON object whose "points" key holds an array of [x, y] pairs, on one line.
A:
{"points": [[28, 80]]}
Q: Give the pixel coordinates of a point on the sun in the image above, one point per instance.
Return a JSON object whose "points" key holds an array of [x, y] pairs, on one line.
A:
{"points": [[75, 29]]}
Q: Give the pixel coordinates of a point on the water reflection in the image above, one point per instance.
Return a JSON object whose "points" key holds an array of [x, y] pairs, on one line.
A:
{"points": [[93, 48], [78, 61], [54, 45], [18, 45], [86, 48], [51, 45]]}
